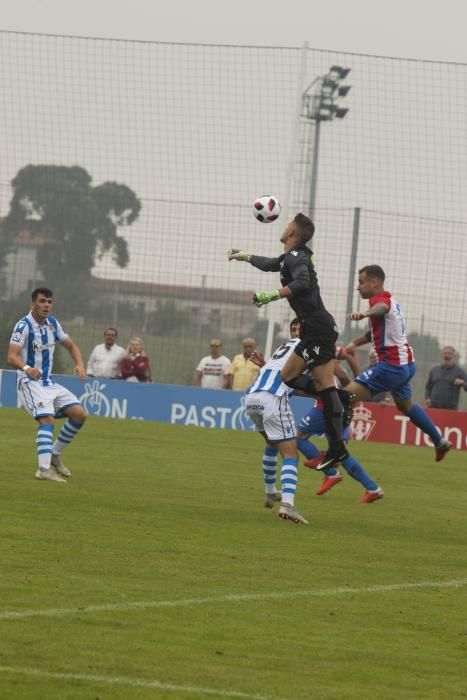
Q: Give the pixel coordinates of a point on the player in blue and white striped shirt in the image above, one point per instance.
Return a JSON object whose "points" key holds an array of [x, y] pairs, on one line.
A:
{"points": [[31, 351], [267, 404]]}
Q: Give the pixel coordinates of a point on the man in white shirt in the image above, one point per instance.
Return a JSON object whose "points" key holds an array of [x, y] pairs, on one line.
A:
{"points": [[106, 358], [212, 371]]}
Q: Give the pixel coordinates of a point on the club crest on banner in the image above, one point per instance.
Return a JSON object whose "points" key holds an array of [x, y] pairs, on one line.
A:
{"points": [[94, 401], [362, 423]]}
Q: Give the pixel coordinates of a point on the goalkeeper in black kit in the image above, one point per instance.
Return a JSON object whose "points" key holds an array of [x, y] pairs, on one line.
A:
{"points": [[318, 331]]}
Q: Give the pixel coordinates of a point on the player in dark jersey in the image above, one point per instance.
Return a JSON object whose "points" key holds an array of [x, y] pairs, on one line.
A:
{"points": [[318, 334]]}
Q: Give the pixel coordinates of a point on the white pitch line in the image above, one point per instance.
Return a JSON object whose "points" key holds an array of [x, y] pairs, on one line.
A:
{"points": [[230, 598], [135, 683]]}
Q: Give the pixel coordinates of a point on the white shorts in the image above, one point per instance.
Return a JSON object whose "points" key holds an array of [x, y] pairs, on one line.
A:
{"points": [[39, 400], [271, 415]]}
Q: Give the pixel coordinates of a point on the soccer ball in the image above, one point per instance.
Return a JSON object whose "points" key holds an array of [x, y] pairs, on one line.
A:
{"points": [[266, 208]]}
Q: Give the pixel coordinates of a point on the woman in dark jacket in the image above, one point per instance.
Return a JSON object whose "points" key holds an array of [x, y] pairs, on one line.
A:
{"points": [[135, 364]]}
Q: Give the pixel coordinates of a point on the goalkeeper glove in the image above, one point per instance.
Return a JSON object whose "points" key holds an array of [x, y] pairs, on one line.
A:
{"points": [[261, 298], [241, 255]]}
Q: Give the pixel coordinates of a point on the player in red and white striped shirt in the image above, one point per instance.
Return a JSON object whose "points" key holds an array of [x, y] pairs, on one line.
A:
{"points": [[396, 364]]}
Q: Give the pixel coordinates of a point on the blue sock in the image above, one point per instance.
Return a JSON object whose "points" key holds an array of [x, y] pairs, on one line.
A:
{"points": [[69, 430], [310, 451], [289, 475], [307, 448], [270, 469], [356, 471], [421, 419]]}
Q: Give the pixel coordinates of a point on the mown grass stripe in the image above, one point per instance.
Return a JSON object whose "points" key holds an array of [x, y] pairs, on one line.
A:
{"points": [[135, 683], [229, 598]]}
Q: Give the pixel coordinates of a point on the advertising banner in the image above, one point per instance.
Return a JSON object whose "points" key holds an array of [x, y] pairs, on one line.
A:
{"points": [[209, 408], [381, 423]]}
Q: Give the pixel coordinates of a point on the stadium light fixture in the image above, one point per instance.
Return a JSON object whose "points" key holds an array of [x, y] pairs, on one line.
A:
{"points": [[328, 87], [340, 72], [319, 105], [341, 112]]}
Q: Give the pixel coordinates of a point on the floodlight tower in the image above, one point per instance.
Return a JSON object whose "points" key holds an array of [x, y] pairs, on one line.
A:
{"points": [[319, 104]]}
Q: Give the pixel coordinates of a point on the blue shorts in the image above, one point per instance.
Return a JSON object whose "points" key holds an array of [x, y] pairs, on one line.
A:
{"points": [[384, 377], [313, 423]]}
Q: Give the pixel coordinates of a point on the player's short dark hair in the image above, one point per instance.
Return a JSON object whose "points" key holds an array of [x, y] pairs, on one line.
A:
{"points": [[305, 227], [110, 328], [41, 290], [374, 272], [294, 322]]}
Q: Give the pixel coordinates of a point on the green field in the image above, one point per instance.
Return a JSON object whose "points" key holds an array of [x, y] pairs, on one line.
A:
{"points": [[157, 573]]}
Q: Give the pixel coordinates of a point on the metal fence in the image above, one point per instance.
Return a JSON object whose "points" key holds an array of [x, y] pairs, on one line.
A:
{"points": [[195, 132]]}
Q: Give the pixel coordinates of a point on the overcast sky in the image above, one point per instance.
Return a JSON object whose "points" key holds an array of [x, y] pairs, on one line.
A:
{"points": [[422, 29]]}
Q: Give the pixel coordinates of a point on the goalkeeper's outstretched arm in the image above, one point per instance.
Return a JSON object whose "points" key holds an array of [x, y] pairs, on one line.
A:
{"points": [[264, 264]]}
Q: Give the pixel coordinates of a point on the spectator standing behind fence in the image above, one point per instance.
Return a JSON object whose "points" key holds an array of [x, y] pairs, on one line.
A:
{"points": [[106, 358], [442, 389], [242, 372], [212, 371], [135, 364]]}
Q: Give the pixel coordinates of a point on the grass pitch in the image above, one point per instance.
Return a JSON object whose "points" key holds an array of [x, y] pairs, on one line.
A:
{"points": [[157, 573]]}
